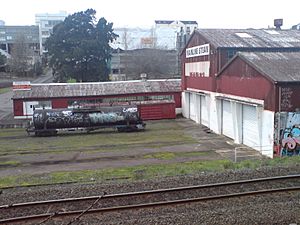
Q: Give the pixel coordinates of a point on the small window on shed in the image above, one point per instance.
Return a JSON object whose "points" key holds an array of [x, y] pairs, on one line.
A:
{"points": [[244, 35]]}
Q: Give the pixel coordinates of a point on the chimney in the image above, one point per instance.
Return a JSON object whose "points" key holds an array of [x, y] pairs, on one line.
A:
{"points": [[143, 76], [278, 23]]}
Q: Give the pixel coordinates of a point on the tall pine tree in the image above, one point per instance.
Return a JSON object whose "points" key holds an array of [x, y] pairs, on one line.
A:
{"points": [[79, 48]]}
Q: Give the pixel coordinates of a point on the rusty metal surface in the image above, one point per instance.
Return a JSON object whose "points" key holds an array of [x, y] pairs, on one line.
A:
{"points": [[99, 88], [279, 66]]}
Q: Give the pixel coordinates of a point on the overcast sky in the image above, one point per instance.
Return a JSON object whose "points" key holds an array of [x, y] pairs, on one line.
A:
{"points": [[142, 13]]}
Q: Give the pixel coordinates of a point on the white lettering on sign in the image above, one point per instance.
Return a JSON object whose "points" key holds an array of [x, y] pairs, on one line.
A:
{"points": [[197, 69], [197, 51]]}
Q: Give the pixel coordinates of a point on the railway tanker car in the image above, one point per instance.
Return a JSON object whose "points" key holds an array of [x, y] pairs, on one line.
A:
{"points": [[50, 121]]}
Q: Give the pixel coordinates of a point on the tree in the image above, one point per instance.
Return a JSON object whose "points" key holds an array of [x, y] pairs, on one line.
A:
{"points": [[20, 56], [79, 48], [2, 60]]}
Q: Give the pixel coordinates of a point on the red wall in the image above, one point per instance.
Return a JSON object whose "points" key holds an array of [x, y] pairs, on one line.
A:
{"points": [[290, 97], [177, 99], [18, 107], [63, 102], [242, 80], [59, 103], [202, 83], [157, 111]]}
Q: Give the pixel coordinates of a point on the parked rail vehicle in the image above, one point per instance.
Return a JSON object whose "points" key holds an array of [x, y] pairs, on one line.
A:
{"points": [[50, 121]]}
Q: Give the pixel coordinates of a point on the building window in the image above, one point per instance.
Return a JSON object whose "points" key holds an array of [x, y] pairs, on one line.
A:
{"points": [[45, 32], [9, 37], [115, 71], [44, 104]]}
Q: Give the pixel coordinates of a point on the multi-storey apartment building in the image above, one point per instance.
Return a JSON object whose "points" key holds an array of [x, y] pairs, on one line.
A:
{"points": [[46, 22]]}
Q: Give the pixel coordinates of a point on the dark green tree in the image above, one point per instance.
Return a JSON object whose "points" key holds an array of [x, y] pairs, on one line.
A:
{"points": [[2, 59], [79, 48]]}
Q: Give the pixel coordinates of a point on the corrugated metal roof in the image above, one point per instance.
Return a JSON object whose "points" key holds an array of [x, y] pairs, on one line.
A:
{"points": [[251, 38], [171, 21], [279, 66], [56, 90]]}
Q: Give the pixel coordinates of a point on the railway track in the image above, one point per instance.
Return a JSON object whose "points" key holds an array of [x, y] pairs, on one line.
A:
{"points": [[77, 207]]}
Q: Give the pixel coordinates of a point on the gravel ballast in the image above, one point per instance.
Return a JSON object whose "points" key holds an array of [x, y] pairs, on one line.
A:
{"points": [[267, 209]]}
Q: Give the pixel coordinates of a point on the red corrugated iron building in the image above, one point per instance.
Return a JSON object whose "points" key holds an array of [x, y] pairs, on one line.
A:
{"points": [[156, 99], [240, 82]]}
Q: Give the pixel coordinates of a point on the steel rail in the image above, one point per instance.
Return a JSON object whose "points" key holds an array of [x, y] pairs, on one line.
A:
{"points": [[157, 191], [149, 205]]}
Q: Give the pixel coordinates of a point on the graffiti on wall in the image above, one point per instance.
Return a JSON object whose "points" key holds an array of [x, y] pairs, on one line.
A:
{"points": [[286, 98], [287, 133]]}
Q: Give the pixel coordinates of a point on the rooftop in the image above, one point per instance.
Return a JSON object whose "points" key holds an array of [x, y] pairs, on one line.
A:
{"points": [[279, 66], [251, 38], [57, 90], [172, 21]]}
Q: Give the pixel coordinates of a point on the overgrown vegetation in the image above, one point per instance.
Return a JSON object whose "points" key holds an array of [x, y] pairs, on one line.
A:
{"points": [[143, 172]]}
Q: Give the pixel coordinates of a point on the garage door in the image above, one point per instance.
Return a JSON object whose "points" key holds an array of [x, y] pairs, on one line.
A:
{"points": [[192, 106], [250, 126], [227, 120], [204, 111]]}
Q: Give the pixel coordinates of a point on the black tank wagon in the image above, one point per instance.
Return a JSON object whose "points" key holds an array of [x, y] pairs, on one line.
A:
{"points": [[50, 121]]}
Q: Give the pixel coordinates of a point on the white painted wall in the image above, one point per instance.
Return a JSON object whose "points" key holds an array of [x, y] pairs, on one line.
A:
{"points": [[268, 133], [214, 113], [265, 117], [185, 104]]}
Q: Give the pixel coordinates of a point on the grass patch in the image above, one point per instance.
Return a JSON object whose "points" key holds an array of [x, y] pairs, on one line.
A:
{"points": [[156, 135], [172, 155], [195, 154], [4, 90], [10, 163], [160, 155], [143, 172]]}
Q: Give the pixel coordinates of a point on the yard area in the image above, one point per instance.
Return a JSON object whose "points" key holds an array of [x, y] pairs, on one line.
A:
{"points": [[165, 148]]}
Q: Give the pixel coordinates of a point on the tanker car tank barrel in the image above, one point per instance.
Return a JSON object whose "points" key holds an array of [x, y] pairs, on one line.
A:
{"points": [[50, 121]]}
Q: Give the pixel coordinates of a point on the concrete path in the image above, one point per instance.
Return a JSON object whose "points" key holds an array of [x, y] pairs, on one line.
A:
{"points": [[6, 103]]}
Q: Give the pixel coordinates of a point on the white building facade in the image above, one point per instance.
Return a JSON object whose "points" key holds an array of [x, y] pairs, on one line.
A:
{"points": [[46, 22]]}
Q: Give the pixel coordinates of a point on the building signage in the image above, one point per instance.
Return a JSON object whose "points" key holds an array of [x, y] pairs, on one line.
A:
{"points": [[197, 69], [200, 50], [21, 85]]}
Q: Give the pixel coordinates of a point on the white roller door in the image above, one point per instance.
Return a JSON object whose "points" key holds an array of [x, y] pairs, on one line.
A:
{"points": [[250, 126], [204, 111], [227, 120], [192, 106]]}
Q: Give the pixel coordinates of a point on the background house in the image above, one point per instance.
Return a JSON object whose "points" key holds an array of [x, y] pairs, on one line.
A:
{"points": [[9, 35], [156, 63]]}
